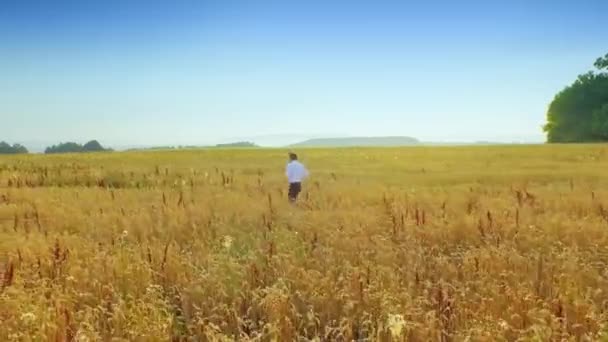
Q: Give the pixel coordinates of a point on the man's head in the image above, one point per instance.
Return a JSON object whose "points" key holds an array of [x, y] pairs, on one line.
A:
{"points": [[293, 156]]}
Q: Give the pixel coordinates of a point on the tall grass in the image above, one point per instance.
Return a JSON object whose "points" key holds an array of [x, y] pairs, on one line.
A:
{"points": [[412, 244]]}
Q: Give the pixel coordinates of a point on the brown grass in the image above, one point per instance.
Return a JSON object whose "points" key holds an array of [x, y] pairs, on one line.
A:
{"points": [[412, 244]]}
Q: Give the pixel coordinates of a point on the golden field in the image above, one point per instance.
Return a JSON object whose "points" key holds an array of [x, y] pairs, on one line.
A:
{"points": [[405, 244]]}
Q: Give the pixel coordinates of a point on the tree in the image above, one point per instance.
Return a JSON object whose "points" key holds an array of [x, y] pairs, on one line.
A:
{"points": [[600, 122], [579, 113], [93, 146], [20, 149], [6, 148], [602, 62], [72, 147], [69, 147]]}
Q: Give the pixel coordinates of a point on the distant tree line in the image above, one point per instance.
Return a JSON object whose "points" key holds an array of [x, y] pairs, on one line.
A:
{"points": [[579, 113], [68, 147], [237, 144], [6, 148], [72, 147], [95, 146], [165, 148]]}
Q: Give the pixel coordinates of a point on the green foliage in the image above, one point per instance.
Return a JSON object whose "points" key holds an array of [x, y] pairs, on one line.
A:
{"points": [[600, 122], [602, 62], [579, 112], [6, 148], [72, 147], [69, 147], [93, 146]]}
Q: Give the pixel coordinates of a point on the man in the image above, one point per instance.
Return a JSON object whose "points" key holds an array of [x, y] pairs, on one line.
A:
{"points": [[296, 172]]}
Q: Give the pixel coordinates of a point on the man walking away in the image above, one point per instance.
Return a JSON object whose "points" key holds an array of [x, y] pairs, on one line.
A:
{"points": [[296, 172]]}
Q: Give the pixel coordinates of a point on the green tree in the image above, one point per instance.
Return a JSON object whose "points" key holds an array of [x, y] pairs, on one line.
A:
{"points": [[602, 62], [69, 147], [578, 113], [72, 147], [600, 122], [93, 146], [6, 148], [20, 149]]}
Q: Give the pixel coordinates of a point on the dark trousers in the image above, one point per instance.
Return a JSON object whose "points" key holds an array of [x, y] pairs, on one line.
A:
{"points": [[294, 191]]}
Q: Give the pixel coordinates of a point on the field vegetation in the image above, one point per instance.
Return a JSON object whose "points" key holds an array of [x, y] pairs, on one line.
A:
{"points": [[396, 244]]}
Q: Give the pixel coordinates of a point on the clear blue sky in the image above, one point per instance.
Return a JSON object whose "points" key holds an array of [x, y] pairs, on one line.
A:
{"points": [[188, 72]]}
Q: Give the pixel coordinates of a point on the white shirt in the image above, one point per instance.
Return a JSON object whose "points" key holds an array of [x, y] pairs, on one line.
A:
{"points": [[296, 172]]}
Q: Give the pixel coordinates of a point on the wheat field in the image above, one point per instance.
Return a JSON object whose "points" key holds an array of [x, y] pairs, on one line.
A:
{"points": [[500, 243]]}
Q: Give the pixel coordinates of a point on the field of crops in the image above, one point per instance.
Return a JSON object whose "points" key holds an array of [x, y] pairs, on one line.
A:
{"points": [[410, 244]]}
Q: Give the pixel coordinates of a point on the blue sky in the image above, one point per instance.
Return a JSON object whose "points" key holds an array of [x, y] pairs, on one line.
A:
{"points": [[196, 72]]}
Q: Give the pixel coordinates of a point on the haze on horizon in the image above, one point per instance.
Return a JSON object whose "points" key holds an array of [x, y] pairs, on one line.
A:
{"points": [[200, 72]]}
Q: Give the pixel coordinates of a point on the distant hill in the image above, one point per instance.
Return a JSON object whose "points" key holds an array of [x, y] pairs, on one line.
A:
{"points": [[358, 142]]}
